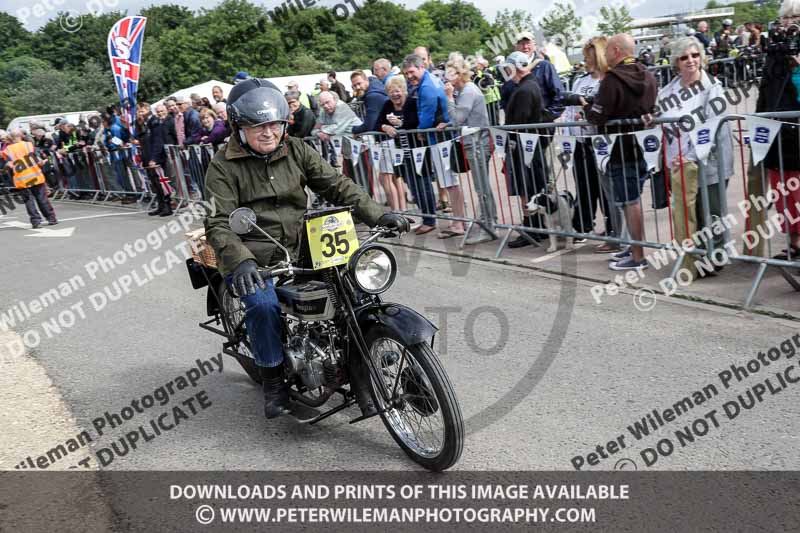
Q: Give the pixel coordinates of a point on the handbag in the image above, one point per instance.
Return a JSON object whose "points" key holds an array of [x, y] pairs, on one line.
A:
{"points": [[458, 158], [658, 189]]}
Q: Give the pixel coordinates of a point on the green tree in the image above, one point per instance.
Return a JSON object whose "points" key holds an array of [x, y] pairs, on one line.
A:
{"points": [[513, 21], [561, 24], [614, 20], [456, 15], [86, 88], [12, 33], [161, 18], [71, 49]]}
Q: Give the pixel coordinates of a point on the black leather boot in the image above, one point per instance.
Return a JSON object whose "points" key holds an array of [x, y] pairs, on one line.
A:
{"points": [[360, 384], [157, 209], [276, 392], [166, 208]]}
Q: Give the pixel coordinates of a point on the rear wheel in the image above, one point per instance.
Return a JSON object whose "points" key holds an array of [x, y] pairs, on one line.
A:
{"points": [[232, 312], [423, 416]]}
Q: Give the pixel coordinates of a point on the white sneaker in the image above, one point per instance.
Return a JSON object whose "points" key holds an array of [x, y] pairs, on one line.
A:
{"points": [[480, 236]]}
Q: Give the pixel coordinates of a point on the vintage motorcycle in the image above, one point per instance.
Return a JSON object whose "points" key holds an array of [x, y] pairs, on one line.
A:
{"points": [[332, 311]]}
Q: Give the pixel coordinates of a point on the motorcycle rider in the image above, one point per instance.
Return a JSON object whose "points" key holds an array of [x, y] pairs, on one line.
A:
{"points": [[266, 170]]}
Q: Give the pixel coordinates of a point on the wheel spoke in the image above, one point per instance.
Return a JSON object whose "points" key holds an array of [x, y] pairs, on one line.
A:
{"points": [[419, 421]]}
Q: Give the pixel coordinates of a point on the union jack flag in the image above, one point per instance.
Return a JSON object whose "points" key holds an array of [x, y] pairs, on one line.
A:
{"points": [[124, 51]]}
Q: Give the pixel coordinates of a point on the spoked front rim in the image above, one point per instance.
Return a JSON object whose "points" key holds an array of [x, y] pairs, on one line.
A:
{"points": [[415, 415], [234, 315]]}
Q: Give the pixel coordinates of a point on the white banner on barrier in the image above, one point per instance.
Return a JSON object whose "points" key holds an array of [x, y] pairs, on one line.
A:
{"points": [[500, 140], [419, 158], [602, 146], [528, 141], [397, 156], [762, 133], [565, 149], [337, 144], [355, 150], [650, 143], [375, 154], [468, 130], [702, 138], [443, 152]]}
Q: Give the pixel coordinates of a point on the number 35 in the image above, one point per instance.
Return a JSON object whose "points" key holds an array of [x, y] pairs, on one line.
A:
{"points": [[333, 242]]}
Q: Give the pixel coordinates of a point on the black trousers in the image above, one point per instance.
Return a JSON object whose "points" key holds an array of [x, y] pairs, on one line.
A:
{"points": [[37, 195], [155, 186], [587, 184]]}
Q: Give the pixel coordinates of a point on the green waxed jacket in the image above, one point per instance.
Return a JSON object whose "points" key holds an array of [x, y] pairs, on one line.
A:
{"points": [[275, 190]]}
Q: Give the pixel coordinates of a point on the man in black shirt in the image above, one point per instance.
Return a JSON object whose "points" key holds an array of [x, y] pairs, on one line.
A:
{"points": [[524, 107]]}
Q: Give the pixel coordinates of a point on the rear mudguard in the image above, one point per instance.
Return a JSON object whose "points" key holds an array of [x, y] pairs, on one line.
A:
{"points": [[411, 326]]}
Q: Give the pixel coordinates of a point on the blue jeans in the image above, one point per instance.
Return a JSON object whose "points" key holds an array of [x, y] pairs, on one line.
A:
{"points": [[263, 321], [422, 189], [121, 172], [627, 179]]}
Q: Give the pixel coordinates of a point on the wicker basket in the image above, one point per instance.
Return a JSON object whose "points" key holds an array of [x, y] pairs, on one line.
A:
{"points": [[201, 250]]}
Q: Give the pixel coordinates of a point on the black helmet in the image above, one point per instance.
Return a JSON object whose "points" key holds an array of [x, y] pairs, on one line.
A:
{"points": [[256, 101]]}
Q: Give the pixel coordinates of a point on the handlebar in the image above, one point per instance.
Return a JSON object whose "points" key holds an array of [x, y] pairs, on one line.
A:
{"points": [[284, 268]]}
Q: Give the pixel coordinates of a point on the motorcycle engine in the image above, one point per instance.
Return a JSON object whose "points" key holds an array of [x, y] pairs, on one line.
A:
{"points": [[310, 354]]}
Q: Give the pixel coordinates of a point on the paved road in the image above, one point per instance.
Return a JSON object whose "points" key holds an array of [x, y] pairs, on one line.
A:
{"points": [[542, 372]]}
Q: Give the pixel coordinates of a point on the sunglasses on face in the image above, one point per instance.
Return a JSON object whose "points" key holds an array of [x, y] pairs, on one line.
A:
{"points": [[693, 55]]}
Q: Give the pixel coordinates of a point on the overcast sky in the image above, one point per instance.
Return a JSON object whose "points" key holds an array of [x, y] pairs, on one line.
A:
{"points": [[34, 13]]}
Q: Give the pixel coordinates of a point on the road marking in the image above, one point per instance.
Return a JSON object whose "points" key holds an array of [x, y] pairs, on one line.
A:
{"points": [[15, 224], [101, 215], [555, 254], [45, 232]]}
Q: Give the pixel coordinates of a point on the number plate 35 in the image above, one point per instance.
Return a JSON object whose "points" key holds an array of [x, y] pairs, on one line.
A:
{"points": [[332, 239]]}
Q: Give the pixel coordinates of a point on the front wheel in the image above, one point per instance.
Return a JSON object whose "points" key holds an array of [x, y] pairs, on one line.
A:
{"points": [[423, 416], [232, 314]]}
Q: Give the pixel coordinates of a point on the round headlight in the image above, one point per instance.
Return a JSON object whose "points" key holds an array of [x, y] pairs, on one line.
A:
{"points": [[374, 269]]}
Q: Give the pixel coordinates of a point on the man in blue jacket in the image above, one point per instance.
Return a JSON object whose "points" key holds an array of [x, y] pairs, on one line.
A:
{"points": [[374, 99], [431, 111]]}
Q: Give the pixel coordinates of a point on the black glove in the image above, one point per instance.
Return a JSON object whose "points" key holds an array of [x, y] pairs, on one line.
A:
{"points": [[246, 277], [395, 222]]}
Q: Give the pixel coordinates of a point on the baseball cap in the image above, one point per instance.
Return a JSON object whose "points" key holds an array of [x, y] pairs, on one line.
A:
{"points": [[525, 35], [293, 83], [518, 60]]}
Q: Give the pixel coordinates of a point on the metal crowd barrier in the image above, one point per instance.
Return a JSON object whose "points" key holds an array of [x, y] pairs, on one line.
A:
{"points": [[490, 184], [495, 198], [101, 175], [731, 71]]}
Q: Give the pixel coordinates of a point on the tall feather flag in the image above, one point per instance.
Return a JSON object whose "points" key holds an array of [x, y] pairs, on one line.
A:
{"points": [[125, 53]]}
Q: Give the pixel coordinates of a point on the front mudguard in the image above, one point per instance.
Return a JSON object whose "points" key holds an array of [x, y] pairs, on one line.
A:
{"points": [[411, 326]]}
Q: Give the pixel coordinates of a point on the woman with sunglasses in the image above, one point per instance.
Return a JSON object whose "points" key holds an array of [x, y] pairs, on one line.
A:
{"points": [[690, 90]]}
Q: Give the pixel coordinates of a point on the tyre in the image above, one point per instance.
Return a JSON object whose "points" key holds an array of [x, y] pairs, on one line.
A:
{"points": [[232, 313], [424, 417]]}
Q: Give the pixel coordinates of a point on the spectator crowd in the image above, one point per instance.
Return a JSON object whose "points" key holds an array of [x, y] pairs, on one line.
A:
{"points": [[462, 105]]}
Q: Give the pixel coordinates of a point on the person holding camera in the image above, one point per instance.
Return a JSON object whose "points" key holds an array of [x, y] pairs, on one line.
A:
{"points": [[587, 175], [780, 91]]}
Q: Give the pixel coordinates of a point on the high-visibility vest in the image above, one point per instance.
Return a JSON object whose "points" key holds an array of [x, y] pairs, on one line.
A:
{"points": [[22, 162]]}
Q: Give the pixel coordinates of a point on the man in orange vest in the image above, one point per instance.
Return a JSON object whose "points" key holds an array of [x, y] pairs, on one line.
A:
{"points": [[22, 163]]}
